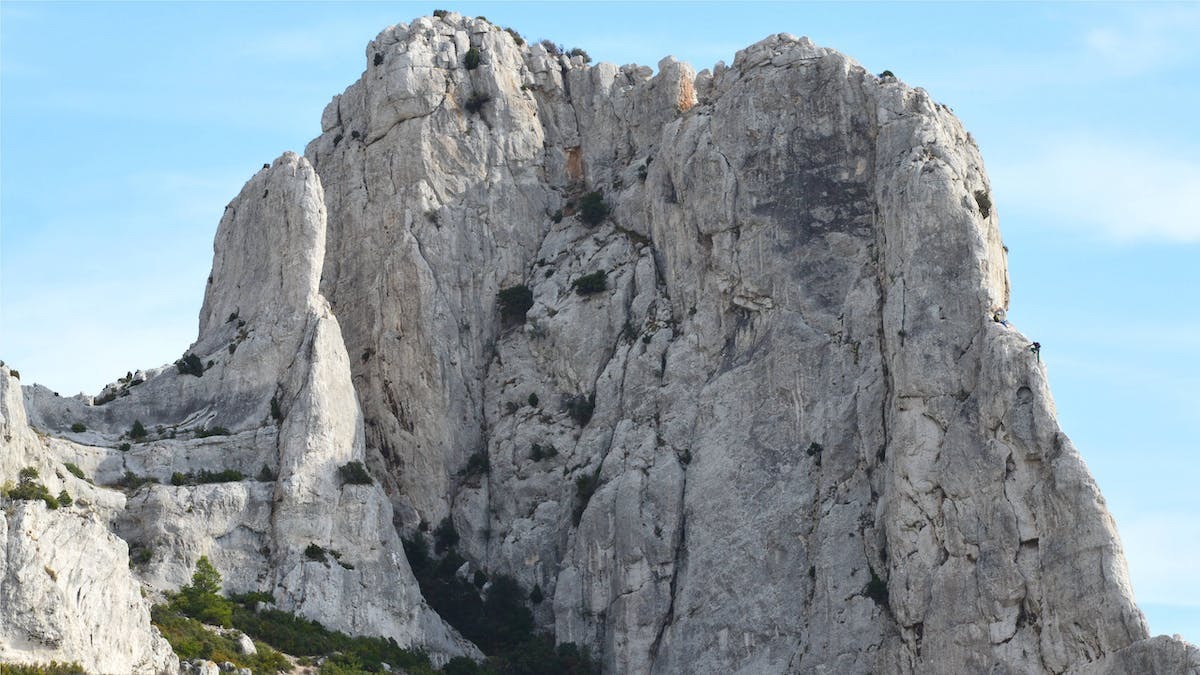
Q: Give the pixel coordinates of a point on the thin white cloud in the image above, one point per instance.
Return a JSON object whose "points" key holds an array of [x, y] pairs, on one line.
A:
{"points": [[1118, 190], [1149, 38]]}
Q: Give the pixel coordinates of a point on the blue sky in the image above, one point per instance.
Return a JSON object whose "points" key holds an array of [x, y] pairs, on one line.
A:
{"points": [[126, 128]]}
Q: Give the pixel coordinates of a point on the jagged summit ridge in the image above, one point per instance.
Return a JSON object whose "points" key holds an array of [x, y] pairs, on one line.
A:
{"points": [[787, 436]]}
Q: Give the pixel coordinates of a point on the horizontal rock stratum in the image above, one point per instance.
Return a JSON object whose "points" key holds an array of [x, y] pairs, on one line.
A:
{"points": [[744, 407]]}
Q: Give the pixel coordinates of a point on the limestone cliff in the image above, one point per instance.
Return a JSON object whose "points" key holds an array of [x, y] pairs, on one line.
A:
{"points": [[264, 391], [756, 417], [66, 591]]}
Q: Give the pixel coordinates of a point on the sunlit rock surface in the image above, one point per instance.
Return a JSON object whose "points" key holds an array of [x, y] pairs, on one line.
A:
{"points": [[787, 434]]}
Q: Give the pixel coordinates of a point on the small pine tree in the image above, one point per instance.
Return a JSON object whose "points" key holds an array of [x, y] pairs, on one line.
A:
{"points": [[590, 284], [206, 579], [515, 302], [201, 599], [593, 209], [472, 59]]}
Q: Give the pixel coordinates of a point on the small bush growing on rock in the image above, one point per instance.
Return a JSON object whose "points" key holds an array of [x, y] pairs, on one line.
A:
{"points": [[190, 364], [132, 481], [266, 475], [576, 51], [354, 473], [551, 48], [593, 209], [29, 489], [536, 596], [886, 74], [477, 465], [137, 431], [533, 400], [440, 13], [315, 552], [52, 668], [471, 61], [445, 536], [124, 447], [814, 450], [212, 431], [539, 452], [515, 302], [204, 476], [276, 412], [585, 487], [877, 589], [78, 428], [515, 36], [984, 202], [590, 284], [75, 471], [580, 408], [140, 554], [64, 499], [225, 476], [475, 103]]}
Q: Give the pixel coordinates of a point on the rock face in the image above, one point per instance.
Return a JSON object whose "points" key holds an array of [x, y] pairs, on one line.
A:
{"points": [[66, 592], [756, 419], [809, 438], [273, 400]]}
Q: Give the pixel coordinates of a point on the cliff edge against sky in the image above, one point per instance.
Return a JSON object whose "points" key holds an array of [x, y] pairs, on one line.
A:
{"points": [[708, 360]]}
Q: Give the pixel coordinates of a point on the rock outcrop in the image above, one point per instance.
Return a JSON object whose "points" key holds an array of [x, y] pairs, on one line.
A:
{"points": [[264, 391], [756, 417], [809, 439], [66, 591]]}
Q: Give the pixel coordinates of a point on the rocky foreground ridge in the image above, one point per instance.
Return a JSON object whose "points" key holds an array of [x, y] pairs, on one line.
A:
{"points": [[742, 409]]}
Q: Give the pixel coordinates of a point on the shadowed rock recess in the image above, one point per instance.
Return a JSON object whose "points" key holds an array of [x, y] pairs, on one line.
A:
{"points": [[743, 407]]}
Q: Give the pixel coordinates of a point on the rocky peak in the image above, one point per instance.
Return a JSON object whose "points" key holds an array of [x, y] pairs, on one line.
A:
{"points": [[751, 414], [268, 253]]}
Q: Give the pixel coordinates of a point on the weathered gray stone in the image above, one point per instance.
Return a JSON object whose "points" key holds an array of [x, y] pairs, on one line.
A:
{"points": [[66, 592], [798, 388], [279, 399], [245, 644], [787, 435]]}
